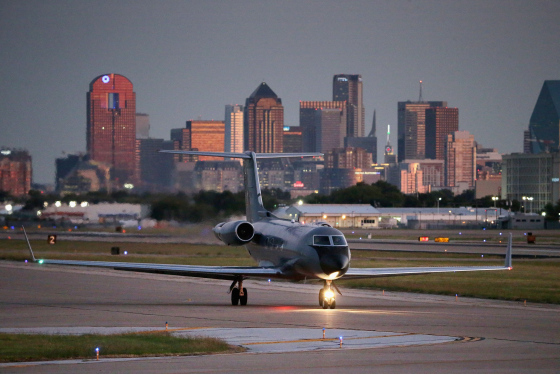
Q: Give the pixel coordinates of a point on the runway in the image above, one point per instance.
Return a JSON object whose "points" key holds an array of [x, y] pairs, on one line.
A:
{"points": [[494, 335]]}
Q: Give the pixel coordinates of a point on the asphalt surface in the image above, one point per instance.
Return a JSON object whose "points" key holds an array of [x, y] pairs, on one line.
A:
{"points": [[493, 336]]}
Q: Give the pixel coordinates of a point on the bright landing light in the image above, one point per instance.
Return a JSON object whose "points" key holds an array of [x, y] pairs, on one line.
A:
{"points": [[333, 275], [329, 294]]}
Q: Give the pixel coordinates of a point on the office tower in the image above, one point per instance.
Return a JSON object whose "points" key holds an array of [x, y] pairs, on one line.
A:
{"points": [[314, 132], [369, 143], [155, 169], [411, 130], [292, 139], [460, 161], [64, 166], [440, 122], [111, 126], [233, 141], [263, 121], [526, 141], [390, 157], [181, 139], [142, 126], [545, 120], [200, 135], [533, 176], [347, 158], [15, 171], [329, 129], [76, 175], [349, 88], [344, 168]]}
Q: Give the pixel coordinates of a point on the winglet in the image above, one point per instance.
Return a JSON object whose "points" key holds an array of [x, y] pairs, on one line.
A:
{"points": [[29, 245], [508, 252]]}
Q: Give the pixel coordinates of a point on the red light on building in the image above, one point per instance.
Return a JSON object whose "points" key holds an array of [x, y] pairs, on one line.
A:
{"points": [[299, 184]]}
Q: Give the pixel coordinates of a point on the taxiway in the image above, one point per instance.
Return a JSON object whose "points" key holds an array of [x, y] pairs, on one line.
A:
{"points": [[492, 335]]}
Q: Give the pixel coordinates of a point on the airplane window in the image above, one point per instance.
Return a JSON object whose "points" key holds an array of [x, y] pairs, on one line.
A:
{"points": [[321, 240], [338, 240]]}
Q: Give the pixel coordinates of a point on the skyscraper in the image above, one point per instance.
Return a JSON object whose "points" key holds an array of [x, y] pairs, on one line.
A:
{"points": [[440, 122], [390, 157], [313, 132], [535, 176], [545, 121], [111, 125], [349, 88], [369, 143], [233, 141], [292, 139], [263, 121], [155, 169], [205, 136], [411, 128], [15, 171], [460, 161], [142, 126]]}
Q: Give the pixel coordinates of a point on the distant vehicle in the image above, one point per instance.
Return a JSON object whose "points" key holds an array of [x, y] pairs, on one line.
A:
{"points": [[283, 248]]}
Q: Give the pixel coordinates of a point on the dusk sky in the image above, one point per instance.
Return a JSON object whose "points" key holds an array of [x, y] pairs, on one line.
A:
{"points": [[188, 59]]}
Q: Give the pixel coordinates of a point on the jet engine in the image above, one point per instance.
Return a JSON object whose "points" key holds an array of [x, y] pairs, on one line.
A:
{"points": [[234, 233]]}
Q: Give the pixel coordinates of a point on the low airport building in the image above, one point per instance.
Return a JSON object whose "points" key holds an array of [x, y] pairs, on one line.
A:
{"points": [[367, 216], [103, 213]]}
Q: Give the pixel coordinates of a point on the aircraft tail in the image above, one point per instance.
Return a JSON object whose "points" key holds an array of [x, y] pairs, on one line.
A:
{"points": [[254, 207], [507, 263]]}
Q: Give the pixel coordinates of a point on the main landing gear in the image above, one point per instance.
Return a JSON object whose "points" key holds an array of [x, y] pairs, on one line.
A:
{"points": [[326, 296], [238, 293]]}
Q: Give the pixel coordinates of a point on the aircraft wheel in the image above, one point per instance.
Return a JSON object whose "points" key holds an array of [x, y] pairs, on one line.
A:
{"points": [[243, 299], [235, 296], [333, 304], [325, 304], [321, 296]]}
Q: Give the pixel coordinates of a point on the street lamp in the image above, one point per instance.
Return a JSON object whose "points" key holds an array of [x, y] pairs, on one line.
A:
{"points": [[495, 198], [438, 200]]}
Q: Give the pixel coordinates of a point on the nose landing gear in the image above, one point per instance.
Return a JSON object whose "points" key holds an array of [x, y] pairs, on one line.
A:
{"points": [[326, 296]]}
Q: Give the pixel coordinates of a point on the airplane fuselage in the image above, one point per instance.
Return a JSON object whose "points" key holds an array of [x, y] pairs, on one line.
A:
{"points": [[303, 251]]}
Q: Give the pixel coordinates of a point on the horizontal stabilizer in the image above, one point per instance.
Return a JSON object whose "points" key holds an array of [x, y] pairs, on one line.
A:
{"points": [[243, 155]]}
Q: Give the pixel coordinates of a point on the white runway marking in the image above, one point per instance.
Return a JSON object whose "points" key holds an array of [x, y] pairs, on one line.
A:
{"points": [[268, 340]]}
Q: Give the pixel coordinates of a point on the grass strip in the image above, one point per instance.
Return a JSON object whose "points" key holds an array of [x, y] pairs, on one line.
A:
{"points": [[44, 347], [534, 280]]}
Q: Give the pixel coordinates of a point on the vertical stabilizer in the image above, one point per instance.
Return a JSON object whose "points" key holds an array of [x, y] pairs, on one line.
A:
{"points": [[253, 196]]}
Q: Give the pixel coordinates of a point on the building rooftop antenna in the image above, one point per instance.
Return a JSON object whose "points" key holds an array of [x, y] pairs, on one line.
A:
{"points": [[420, 98]]}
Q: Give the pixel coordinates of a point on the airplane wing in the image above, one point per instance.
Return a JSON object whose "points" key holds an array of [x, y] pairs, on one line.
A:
{"points": [[213, 272], [356, 273]]}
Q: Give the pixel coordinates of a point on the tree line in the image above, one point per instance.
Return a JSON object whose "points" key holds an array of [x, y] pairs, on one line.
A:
{"points": [[212, 205]]}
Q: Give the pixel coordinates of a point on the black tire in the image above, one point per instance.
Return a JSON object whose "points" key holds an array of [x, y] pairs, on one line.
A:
{"points": [[321, 296], [333, 304], [243, 299], [235, 296], [325, 305]]}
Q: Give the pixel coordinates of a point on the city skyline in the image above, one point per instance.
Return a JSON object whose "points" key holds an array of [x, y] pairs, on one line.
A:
{"points": [[189, 59]]}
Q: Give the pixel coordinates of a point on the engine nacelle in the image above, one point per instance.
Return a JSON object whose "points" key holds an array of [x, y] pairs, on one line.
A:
{"points": [[234, 233]]}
